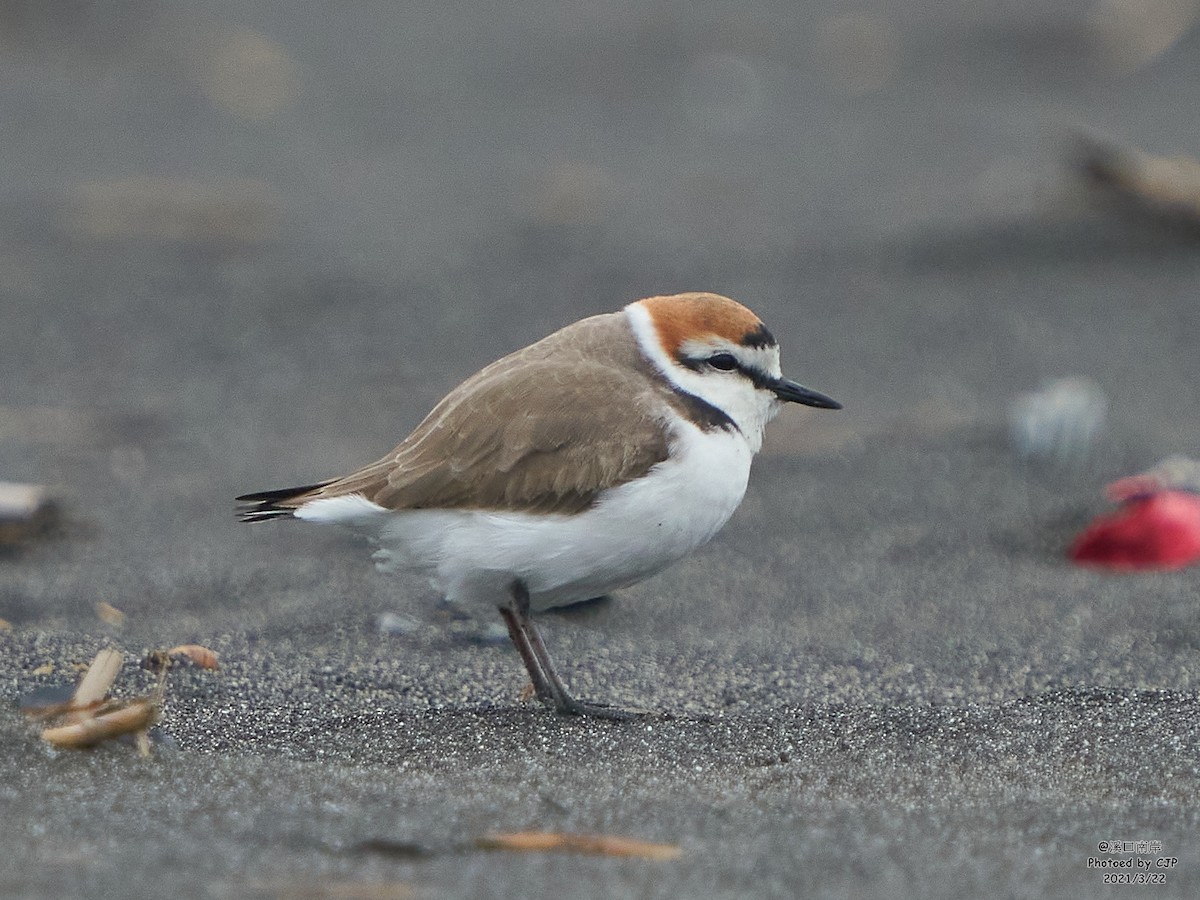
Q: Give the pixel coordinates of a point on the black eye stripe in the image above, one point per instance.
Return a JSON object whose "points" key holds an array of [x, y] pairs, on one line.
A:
{"points": [[699, 363]]}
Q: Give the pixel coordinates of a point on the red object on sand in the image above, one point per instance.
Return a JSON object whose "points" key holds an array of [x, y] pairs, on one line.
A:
{"points": [[1159, 530]]}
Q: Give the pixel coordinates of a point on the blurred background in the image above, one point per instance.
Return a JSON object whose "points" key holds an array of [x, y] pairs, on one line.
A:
{"points": [[247, 246]]}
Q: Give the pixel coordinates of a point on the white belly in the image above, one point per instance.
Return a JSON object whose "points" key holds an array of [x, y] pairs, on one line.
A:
{"points": [[637, 529]]}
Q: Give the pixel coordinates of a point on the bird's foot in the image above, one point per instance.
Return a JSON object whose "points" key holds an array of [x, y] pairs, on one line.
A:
{"points": [[567, 705]]}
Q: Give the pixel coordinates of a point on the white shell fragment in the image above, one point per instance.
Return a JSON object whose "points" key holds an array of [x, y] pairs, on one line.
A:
{"points": [[25, 510], [1060, 422]]}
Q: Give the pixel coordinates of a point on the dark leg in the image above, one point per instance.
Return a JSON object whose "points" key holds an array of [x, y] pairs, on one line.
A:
{"points": [[546, 681], [540, 686]]}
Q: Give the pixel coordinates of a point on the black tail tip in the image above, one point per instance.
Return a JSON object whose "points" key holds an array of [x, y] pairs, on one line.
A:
{"points": [[263, 505], [257, 514]]}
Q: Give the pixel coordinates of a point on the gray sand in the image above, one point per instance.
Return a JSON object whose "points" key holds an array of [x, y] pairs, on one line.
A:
{"points": [[882, 679]]}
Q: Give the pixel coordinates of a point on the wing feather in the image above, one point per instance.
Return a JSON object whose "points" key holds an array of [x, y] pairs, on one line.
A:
{"points": [[545, 429], [535, 440]]}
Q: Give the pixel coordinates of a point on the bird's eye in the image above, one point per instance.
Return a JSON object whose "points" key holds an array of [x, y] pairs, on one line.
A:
{"points": [[726, 362]]}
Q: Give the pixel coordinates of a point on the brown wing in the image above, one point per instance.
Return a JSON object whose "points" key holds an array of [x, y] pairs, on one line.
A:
{"points": [[545, 436]]}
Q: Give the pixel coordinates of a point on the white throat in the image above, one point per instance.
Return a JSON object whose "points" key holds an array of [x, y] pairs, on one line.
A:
{"points": [[749, 408]]}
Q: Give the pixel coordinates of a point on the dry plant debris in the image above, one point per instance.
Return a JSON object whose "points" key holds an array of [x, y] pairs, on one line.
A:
{"points": [[98, 678], [1166, 187], [595, 844], [26, 510], [104, 722], [198, 655], [159, 661], [331, 890], [89, 718], [109, 614]]}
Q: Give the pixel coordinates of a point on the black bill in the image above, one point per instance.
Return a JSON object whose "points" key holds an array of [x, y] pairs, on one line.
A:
{"points": [[791, 392]]}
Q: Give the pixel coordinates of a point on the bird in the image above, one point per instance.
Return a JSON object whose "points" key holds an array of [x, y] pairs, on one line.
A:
{"points": [[574, 467]]}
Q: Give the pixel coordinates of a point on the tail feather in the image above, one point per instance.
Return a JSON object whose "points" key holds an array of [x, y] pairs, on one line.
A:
{"points": [[278, 504]]}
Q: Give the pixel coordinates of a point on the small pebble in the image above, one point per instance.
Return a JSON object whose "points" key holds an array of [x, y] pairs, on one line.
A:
{"points": [[394, 623], [1060, 422]]}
